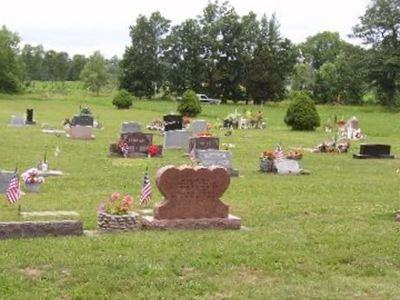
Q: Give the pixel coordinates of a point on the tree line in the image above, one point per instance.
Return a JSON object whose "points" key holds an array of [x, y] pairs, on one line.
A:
{"points": [[232, 57], [22, 67]]}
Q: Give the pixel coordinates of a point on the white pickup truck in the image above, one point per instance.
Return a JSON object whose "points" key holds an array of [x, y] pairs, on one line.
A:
{"points": [[205, 99]]}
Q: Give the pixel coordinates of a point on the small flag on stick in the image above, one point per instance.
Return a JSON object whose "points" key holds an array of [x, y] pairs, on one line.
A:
{"points": [[145, 196], [13, 192]]}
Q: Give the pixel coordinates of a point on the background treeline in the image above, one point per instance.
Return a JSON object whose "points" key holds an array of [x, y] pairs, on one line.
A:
{"points": [[20, 68], [41, 65], [231, 57]]}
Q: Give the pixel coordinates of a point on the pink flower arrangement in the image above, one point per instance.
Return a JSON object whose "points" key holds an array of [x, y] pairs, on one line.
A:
{"points": [[31, 176], [117, 205]]}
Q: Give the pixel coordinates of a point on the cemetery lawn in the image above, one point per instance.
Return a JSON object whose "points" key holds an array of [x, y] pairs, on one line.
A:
{"points": [[328, 235]]}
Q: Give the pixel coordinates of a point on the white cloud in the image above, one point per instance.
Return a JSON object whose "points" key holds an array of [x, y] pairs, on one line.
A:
{"points": [[83, 26]]}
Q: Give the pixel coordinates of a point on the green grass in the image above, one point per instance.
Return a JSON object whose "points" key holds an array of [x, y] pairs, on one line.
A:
{"points": [[327, 235]]}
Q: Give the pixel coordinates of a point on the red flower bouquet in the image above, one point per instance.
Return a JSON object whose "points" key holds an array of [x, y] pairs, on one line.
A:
{"points": [[153, 150]]}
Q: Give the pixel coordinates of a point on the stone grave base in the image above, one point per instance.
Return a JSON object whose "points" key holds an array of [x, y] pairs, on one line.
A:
{"points": [[40, 228], [233, 172], [232, 222], [92, 137], [363, 156], [53, 131], [50, 173]]}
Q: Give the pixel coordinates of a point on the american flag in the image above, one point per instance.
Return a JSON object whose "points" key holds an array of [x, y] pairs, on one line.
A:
{"points": [[146, 190], [13, 193], [278, 151], [192, 156]]}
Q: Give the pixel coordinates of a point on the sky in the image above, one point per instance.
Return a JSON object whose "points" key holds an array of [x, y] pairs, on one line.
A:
{"points": [[84, 26]]}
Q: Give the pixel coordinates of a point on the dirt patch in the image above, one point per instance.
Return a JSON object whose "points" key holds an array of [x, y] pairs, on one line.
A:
{"points": [[32, 272]]}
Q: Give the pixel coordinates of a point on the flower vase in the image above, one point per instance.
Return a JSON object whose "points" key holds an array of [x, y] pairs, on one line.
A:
{"points": [[32, 187], [110, 222]]}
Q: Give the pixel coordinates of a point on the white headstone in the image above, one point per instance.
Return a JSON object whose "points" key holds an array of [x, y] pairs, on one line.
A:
{"points": [[212, 157], [177, 139], [287, 166], [18, 121], [81, 132], [198, 126]]}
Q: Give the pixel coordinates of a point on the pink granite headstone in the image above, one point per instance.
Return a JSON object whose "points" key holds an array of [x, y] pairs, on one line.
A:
{"points": [[192, 199]]}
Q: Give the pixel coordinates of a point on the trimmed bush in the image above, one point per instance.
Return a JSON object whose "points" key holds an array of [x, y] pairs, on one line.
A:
{"points": [[190, 104], [302, 113], [123, 100]]}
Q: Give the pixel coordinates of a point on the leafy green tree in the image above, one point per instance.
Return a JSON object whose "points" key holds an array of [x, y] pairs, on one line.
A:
{"points": [[321, 48], [94, 75], [10, 66], [303, 77], [32, 60], [380, 28], [76, 66], [342, 81], [141, 67], [183, 57], [62, 66], [50, 65], [272, 63]]}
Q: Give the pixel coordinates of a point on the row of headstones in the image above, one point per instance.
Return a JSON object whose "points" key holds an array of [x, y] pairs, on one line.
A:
{"points": [[205, 149], [20, 121]]}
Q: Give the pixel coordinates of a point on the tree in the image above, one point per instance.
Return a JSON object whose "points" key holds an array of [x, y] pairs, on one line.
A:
{"points": [[321, 48], [62, 66], [141, 67], [10, 67], [380, 28], [32, 60], [76, 66], [337, 69], [303, 77], [342, 81], [94, 74], [271, 65], [183, 58]]}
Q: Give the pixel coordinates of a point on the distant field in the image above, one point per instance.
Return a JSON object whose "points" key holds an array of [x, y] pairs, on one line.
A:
{"points": [[327, 235]]}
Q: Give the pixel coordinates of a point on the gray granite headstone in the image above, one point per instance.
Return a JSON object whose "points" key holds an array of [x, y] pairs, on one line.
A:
{"points": [[198, 126], [18, 121], [82, 120], [203, 143], [177, 139], [211, 157], [131, 127], [5, 177]]}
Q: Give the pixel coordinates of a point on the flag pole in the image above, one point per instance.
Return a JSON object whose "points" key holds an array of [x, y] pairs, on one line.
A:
{"points": [[19, 205]]}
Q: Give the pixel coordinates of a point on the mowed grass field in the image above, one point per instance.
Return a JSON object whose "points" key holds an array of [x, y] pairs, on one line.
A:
{"points": [[330, 235]]}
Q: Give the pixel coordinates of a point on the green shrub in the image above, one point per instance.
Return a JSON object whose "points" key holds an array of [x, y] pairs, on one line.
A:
{"points": [[302, 113], [123, 100], [189, 105]]}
